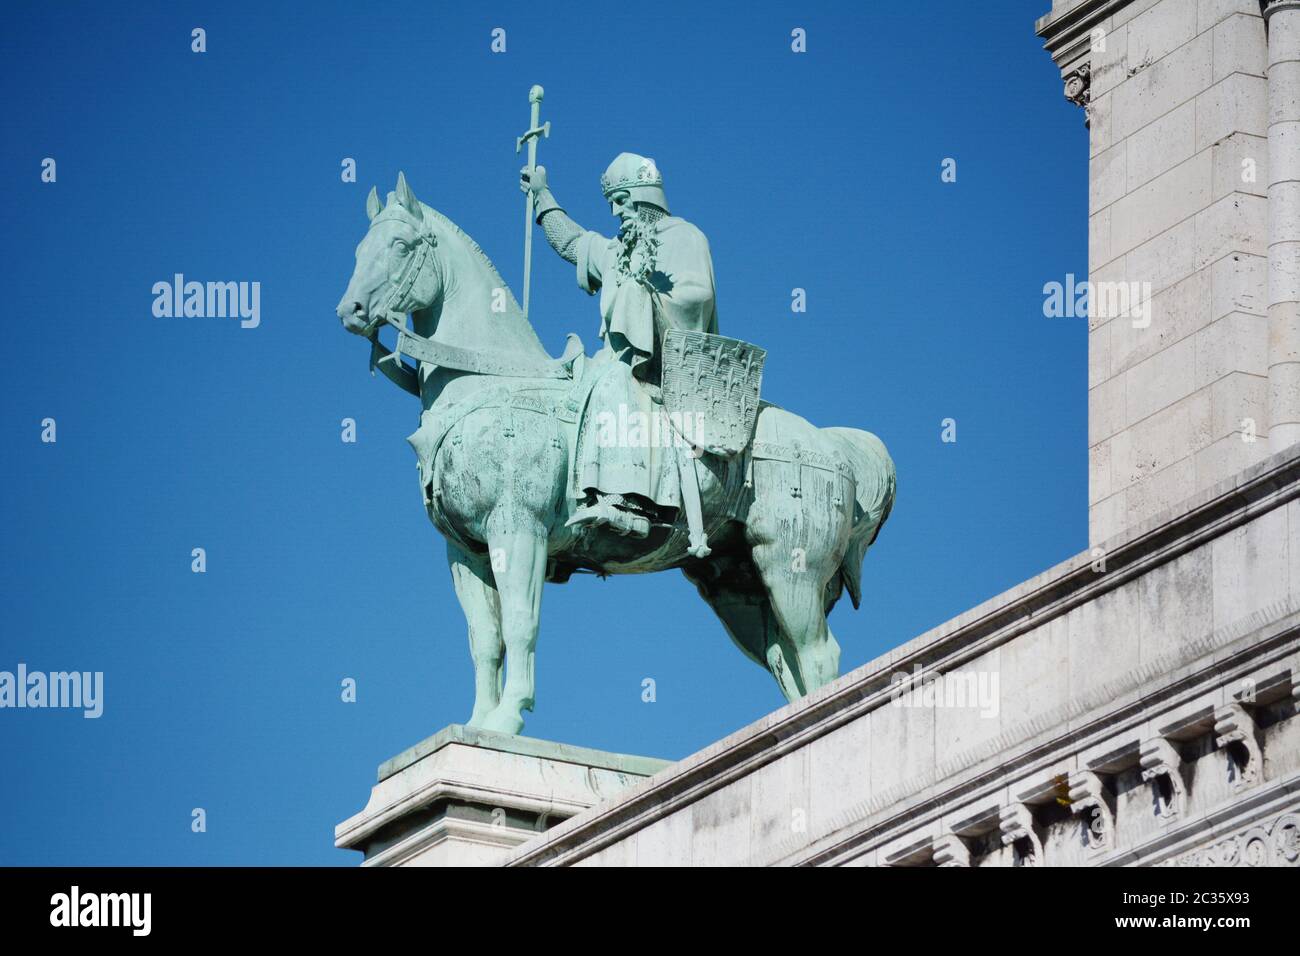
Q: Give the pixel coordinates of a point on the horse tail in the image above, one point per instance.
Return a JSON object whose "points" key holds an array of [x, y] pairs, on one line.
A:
{"points": [[873, 472]]}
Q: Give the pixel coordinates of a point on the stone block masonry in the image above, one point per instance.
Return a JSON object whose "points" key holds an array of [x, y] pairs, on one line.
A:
{"points": [[1145, 713]]}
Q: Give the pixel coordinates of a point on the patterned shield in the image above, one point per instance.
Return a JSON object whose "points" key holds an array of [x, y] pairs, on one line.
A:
{"points": [[711, 388]]}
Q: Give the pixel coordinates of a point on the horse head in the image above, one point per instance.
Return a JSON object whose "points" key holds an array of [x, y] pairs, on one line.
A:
{"points": [[396, 271]]}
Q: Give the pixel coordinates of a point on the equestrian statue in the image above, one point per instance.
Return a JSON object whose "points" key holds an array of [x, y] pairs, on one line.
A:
{"points": [[656, 452]]}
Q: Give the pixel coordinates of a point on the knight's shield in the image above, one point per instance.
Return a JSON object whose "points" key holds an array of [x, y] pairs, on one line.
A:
{"points": [[710, 388]]}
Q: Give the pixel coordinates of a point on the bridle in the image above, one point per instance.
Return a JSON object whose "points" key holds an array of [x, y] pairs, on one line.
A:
{"points": [[393, 310], [396, 306]]}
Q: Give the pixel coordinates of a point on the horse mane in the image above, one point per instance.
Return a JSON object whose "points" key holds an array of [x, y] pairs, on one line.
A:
{"points": [[466, 238]]}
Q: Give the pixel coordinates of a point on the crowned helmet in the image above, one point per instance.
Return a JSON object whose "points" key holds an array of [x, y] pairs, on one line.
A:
{"points": [[639, 176]]}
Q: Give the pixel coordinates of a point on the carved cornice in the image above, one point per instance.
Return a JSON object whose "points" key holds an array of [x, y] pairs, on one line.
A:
{"points": [[1067, 36], [1067, 32]]}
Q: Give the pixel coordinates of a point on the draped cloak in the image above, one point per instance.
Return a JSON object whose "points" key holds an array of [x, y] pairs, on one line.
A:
{"points": [[633, 320]]}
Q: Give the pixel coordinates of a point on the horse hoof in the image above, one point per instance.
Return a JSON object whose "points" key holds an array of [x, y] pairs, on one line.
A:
{"points": [[502, 723]]}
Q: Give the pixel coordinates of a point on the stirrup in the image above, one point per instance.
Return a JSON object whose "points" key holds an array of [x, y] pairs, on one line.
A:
{"points": [[603, 514]]}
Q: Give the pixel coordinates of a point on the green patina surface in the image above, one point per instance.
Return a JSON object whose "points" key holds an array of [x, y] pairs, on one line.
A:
{"points": [[655, 453]]}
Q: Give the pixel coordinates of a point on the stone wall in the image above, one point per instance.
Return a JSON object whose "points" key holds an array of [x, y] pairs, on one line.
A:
{"points": [[1176, 100], [1136, 706]]}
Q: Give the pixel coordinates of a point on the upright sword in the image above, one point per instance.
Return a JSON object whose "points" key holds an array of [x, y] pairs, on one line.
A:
{"points": [[535, 130]]}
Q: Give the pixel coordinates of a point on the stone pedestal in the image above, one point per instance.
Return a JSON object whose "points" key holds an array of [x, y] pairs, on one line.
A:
{"points": [[465, 797]]}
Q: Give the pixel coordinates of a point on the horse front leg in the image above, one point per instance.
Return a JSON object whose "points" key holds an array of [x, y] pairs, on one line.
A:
{"points": [[477, 591], [518, 562]]}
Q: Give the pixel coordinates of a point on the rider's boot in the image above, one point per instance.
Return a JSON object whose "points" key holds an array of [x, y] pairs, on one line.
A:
{"points": [[604, 511]]}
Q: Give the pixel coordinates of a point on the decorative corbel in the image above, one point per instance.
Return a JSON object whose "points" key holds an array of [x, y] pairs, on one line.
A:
{"points": [[951, 850], [1162, 767], [1020, 832], [915, 853], [1235, 731], [1078, 89], [1093, 801]]}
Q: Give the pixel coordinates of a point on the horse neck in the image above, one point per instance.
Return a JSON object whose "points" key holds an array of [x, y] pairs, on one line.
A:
{"points": [[471, 288]]}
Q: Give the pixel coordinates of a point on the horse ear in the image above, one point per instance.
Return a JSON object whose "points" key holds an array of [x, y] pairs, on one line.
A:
{"points": [[372, 203], [407, 198]]}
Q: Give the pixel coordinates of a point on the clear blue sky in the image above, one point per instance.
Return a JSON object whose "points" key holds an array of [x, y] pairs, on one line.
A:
{"points": [[820, 171]]}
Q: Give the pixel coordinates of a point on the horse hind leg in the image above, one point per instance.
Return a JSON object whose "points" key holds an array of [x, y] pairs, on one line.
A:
{"points": [[797, 598], [472, 576], [741, 604], [798, 529]]}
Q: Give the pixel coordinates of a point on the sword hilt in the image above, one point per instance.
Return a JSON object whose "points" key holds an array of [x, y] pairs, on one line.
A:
{"points": [[543, 131], [536, 128]]}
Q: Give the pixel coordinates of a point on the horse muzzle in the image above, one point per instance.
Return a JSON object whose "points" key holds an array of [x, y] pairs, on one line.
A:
{"points": [[355, 320]]}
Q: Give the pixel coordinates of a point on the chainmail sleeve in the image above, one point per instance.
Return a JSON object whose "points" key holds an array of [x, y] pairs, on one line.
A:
{"points": [[562, 233]]}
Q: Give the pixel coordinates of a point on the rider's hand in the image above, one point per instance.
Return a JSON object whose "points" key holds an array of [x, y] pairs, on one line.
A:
{"points": [[532, 180]]}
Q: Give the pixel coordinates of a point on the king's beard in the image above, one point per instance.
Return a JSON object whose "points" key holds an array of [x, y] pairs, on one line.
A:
{"points": [[639, 231]]}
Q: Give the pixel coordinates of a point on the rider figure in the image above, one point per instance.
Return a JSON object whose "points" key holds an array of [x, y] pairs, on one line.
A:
{"points": [[655, 275]]}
